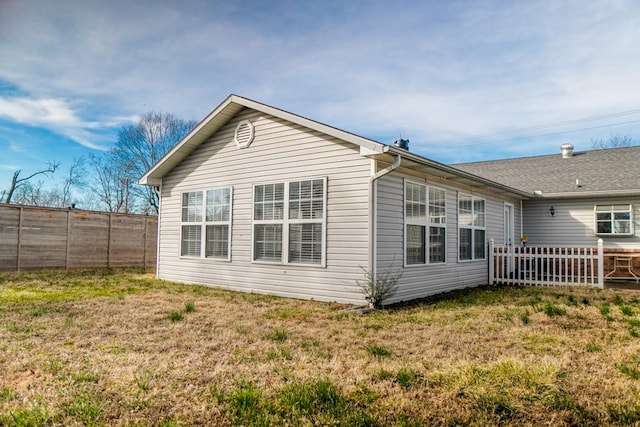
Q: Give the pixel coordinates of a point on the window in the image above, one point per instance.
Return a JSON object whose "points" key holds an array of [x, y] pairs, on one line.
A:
{"points": [[268, 217], [191, 233], [437, 225], [614, 219], [217, 223], [424, 210], [289, 216], [213, 227], [415, 213], [471, 225]]}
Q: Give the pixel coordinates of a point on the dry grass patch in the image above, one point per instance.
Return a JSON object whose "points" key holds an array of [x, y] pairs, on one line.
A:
{"points": [[101, 348]]}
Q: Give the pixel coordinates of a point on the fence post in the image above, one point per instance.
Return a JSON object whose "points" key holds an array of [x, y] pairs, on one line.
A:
{"points": [[600, 264], [20, 215], [109, 242], [144, 250], [68, 250], [491, 261]]}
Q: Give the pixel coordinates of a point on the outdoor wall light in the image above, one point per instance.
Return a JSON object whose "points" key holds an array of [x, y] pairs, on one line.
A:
{"points": [[552, 211]]}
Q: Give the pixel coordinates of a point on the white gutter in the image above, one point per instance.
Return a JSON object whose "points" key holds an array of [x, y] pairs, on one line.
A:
{"points": [[373, 192], [586, 194]]}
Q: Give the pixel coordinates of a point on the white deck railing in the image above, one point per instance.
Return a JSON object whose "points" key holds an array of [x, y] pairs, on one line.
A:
{"points": [[546, 265]]}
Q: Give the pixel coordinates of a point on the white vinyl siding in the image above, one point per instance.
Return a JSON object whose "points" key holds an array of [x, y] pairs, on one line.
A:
{"points": [[471, 228], [573, 223], [425, 212], [421, 280], [214, 227], [290, 215], [281, 152]]}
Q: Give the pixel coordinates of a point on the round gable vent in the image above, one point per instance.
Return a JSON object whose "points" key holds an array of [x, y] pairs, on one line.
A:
{"points": [[244, 134]]}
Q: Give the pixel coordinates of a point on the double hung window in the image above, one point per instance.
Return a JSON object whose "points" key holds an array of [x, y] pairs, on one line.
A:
{"points": [[425, 215], [614, 219], [206, 224], [471, 227], [289, 222]]}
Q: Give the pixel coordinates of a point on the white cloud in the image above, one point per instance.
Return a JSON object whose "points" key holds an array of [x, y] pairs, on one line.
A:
{"points": [[429, 70], [8, 167], [38, 112], [52, 114]]}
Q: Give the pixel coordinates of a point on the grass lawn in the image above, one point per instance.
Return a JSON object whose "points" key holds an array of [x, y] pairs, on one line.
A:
{"points": [[121, 348]]}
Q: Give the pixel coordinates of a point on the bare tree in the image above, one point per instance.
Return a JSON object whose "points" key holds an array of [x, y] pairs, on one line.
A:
{"points": [[36, 194], [75, 178], [109, 183], [17, 182], [615, 141], [139, 147]]}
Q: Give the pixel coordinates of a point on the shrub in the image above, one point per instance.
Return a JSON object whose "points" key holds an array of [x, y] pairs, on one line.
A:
{"points": [[380, 288]]}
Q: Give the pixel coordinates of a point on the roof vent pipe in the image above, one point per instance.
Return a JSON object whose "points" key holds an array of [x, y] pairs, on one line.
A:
{"points": [[402, 143], [567, 150]]}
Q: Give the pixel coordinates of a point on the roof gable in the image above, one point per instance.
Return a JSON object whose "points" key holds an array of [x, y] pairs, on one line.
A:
{"points": [[221, 115]]}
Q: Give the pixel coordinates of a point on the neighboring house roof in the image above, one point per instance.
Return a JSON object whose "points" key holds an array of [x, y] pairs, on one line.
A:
{"points": [[603, 172], [234, 104]]}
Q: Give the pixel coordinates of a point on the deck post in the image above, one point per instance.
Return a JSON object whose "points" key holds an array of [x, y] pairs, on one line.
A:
{"points": [[600, 264], [491, 261]]}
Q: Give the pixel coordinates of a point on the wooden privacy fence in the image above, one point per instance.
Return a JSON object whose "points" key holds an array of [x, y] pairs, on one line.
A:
{"points": [[34, 238], [538, 265]]}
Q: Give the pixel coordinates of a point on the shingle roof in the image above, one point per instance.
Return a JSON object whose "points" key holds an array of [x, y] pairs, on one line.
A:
{"points": [[234, 103], [611, 171]]}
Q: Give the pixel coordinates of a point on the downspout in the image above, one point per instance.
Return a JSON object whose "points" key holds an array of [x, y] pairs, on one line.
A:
{"points": [[158, 232], [521, 222], [372, 212]]}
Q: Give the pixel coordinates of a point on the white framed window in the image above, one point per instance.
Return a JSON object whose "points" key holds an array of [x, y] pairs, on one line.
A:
{"points": [[268, 222], [206, 224], [613, 219], [437, 225], [471, 227], [424, 211], [289, 222]]}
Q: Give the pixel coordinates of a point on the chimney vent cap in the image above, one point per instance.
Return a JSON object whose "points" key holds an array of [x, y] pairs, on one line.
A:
{"points": [[402, 143], [567, 150]]}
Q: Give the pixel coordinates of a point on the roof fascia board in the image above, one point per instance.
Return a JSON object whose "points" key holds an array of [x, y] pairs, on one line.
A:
{"points": [[453, 172]]}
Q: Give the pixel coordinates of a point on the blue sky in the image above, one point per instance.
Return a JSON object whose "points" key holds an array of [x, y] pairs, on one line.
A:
{"points": [[463, 80]]}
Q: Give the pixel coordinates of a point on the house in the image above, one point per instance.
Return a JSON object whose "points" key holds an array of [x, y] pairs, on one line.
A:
{"points": [[579, 197], [258, 199]]}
